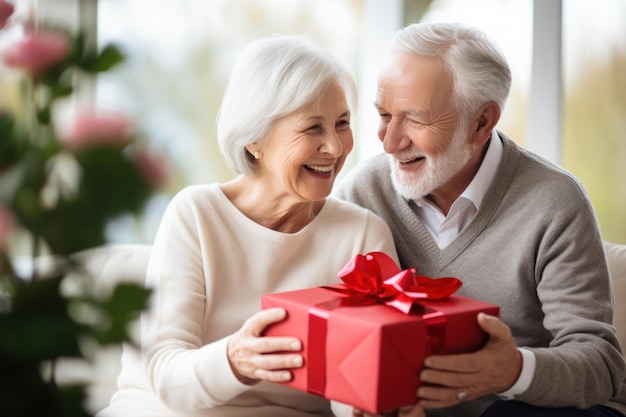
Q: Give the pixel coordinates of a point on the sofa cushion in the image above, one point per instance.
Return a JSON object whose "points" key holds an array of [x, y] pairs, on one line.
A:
{"points": [[110, 265], [115, 263]]}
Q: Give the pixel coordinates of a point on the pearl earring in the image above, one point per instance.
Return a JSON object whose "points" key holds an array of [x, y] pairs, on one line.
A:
{"points": [[257, 154]]}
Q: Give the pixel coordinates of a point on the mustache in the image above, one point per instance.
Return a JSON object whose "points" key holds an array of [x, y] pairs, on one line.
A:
{"points": [[408, 155]]}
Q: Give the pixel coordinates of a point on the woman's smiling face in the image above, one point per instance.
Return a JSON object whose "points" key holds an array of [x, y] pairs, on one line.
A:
{"points": [[304, 151]]}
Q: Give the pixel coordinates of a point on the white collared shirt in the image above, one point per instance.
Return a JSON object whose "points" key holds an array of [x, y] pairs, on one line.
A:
{"points": [[444, 229]]}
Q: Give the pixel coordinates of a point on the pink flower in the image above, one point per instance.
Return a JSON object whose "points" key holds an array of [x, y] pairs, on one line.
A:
{"points": [[37, 52], [6, 10], [99, 130], [152, 167], [6, 225]]}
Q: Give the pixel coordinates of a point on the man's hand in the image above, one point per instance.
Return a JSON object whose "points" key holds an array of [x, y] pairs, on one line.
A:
{"points": [[451, 379]]}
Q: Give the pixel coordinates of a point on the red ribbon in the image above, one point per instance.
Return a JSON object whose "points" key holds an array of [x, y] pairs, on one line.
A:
{"points": [[370, 279], [377, 276]]}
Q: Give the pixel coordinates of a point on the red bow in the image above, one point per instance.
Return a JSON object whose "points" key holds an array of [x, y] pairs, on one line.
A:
{"points": [[376, 275]]}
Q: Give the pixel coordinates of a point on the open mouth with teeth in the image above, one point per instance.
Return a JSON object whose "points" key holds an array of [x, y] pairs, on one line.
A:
{"points": [[320, 170], [411, 161]]}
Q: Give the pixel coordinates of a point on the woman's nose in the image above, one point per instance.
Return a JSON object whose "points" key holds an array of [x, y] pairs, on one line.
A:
{"points": [[332, 144]]}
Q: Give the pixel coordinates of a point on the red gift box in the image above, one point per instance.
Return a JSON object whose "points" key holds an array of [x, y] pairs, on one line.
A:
{"points": [[364, 342]]}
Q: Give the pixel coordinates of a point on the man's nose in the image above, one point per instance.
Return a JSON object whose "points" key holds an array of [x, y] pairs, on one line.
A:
{"points": [[394, 137]]}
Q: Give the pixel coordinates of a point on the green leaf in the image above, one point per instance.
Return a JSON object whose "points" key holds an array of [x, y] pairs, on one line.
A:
{"points": [[39, 325], [22, 389], [69, 402], [6, 125], [60, 90], [79, 48], [108, 58], [125, 304], [24, 393], [11, 141], [43, 115]]}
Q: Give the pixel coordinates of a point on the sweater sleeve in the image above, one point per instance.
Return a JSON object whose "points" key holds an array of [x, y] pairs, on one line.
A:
{"points": [[177, 359], [582, 365]]}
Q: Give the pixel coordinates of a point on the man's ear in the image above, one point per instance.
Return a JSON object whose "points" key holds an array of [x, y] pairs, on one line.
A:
{"points": [[485, 121]]}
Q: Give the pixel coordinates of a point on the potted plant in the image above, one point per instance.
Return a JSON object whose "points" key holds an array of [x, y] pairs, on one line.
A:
{"points": [[60, 186]]}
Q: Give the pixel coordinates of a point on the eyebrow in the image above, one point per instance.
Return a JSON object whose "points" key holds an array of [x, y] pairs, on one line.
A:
{"points": [[317, 117], [412, 112], [416, 113]]}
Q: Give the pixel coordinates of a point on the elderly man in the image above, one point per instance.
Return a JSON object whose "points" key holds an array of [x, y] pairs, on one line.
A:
{"points": [[464, 200]]}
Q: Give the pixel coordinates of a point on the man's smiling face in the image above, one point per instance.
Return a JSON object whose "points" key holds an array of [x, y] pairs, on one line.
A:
{"points": [[419, 124]]}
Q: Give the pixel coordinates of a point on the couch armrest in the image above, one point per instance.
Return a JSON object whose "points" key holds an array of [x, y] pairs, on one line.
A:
{"points": [[114, 263], [110, 265]]}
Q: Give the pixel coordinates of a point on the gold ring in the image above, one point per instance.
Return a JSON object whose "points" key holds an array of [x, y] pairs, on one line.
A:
{"points": [[462, 395]]}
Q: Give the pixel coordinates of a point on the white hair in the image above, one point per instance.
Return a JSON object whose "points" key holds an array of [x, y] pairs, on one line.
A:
{"points": [[478, 67], [272, 78]]}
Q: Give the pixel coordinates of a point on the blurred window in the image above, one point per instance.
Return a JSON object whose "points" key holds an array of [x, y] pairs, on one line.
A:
{"points": [[180, 55], [594, 119], [509, 24]]}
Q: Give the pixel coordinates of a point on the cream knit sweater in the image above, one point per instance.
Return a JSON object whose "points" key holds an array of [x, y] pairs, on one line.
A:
{"points": [[209, 267]]}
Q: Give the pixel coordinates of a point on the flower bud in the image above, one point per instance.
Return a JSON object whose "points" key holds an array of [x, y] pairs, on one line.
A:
{"points": [[6, 10], [37, 52], [99, 130]]}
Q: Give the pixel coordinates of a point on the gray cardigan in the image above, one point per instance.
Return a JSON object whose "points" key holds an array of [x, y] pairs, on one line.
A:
{"points": [[535, 249]]}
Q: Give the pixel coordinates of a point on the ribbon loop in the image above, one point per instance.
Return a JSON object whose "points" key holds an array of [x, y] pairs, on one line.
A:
{"points": [[376, 275]]}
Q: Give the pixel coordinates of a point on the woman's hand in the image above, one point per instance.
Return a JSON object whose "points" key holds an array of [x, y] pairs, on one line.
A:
{"points": [[254, 357]]}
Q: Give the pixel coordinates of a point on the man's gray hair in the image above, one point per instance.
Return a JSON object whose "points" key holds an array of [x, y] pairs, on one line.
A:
{"points": [[272, 78], [478, 67]]}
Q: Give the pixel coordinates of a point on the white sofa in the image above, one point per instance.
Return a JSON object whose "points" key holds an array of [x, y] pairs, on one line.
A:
{"points": [[115, 263]]}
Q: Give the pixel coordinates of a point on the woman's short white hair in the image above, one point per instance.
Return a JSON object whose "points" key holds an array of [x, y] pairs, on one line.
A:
{"points": [[479, 69], [272, 78]]}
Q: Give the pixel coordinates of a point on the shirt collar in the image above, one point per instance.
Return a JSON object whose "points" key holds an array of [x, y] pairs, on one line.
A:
{"points": [[477, 189]]}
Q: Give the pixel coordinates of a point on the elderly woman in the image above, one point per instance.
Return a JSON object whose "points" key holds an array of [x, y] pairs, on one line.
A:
{"points": [[284, 126]]}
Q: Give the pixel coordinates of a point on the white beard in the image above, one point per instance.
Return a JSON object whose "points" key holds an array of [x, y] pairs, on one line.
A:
{"points": [[438, 170]]}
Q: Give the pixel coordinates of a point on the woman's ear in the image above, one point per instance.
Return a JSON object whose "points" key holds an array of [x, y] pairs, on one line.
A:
{"points": [[485, 121], [254, 150]]}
